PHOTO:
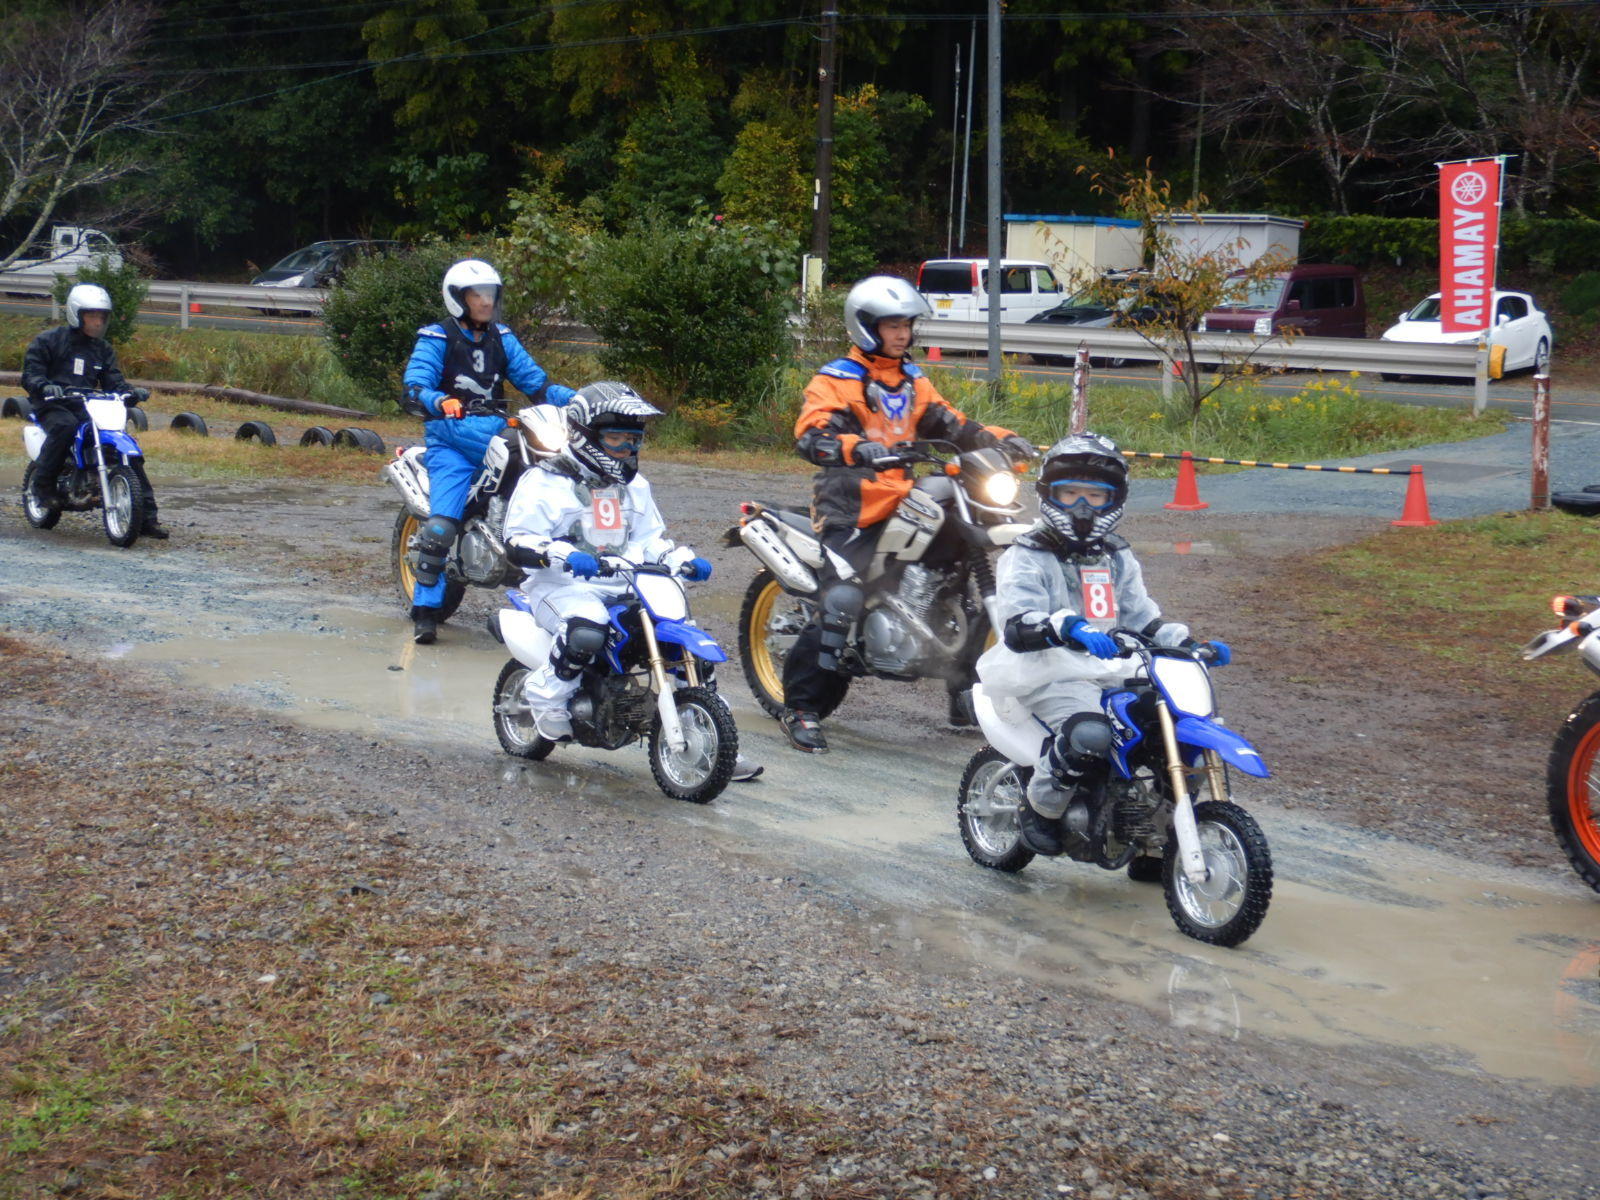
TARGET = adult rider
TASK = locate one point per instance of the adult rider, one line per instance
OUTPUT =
(856, 409)
(456, 381)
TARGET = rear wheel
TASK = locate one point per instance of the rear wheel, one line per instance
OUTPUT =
(699, 771)
(992, 790)
(1573, 790)
(406, 527)
(1230, 903)
(123, 513)
(513, 723)
(769, 622)
(40, 516)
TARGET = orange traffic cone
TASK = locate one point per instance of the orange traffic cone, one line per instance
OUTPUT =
(194, 306)
(1415, 515)
(934, 355)
(1187, 496)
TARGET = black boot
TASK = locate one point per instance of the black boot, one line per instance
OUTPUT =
(804, 730)
(424, 625)
(1040, 834)
(961, 714)
(151, 527)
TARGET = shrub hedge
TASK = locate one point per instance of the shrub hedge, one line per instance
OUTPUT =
(126, 289)
(1540, 243)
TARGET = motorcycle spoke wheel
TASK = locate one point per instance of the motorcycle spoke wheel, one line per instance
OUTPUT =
(1228, 905)
(992, 790)
(699, 771)
(406, 527)
(123, 514)
(40, 516)
(769, 622)
(1574, 790)
(513, 722)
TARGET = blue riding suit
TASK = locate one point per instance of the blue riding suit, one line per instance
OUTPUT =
(472, 365)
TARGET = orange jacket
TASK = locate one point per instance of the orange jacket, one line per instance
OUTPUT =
(837, 415)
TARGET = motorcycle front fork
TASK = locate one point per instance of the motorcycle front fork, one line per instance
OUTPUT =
(666, 705)
(1190, 856)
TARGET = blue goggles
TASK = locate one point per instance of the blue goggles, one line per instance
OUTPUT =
(1059, 497)
(625, 441)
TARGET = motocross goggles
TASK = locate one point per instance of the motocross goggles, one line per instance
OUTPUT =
(621, 441)
(1095, 493)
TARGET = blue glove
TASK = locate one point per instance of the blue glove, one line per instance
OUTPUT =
(583, 564)
(1091, 639)
(1221, 655)
(697, 569)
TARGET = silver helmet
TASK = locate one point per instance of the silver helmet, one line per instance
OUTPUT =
(86, 297)
(873, 299)
(597, 410)
(1086, 458)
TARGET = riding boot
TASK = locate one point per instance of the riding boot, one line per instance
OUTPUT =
(424, 625)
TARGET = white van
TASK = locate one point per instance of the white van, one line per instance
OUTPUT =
(958, 288)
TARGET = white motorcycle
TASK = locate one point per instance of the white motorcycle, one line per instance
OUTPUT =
(98, 471)
(478, 557)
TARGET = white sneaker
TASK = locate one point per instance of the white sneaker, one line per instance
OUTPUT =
(553, 725)
(744, 770)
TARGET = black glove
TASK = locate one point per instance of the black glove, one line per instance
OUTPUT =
(1019, 447)
(868, 453)
(52, 391)
(137, 395)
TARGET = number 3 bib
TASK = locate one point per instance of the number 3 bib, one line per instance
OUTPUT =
(1099, 596)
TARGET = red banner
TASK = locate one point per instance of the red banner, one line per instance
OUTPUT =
(1469, 234)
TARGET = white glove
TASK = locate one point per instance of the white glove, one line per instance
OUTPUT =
(676, 558)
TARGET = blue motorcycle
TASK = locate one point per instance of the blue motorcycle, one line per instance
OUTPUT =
(98, 473)
(654, 681)
(1211, 857)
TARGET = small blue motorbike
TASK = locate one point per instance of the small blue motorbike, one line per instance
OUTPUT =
(98, 473)
(654, 681)
(1210, 857)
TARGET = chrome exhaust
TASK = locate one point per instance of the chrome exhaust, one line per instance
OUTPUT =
(768, 545)
(410, 478)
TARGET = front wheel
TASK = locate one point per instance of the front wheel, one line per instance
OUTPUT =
(1231, 902)
(1573, 790)
(993, 789)
(406, 527)
(769, 622)
(123, 512)
(513, 723)
(40, 516)
(699, 771)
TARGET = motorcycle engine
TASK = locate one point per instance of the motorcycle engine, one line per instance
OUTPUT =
(480, 551)
(892, 645)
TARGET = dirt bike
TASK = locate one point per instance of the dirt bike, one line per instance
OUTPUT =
(97, 474)
(1210, 857)
(654, 681)
(1572, 780)
(929, 586)
(478, 557)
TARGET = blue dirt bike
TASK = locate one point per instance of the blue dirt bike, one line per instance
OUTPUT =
(98, 474)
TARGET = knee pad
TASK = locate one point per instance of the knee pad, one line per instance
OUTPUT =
(1082, 744)
(434, 540)
(841, 605)
(578, 647)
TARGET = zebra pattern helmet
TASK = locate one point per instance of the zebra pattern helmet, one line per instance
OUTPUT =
(1083, 458)
(594, 410)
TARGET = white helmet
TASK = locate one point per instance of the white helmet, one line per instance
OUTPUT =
(873, 299)
(473, 274)
(86, 297)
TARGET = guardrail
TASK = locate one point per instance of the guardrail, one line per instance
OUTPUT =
(184, 295)
(1301, 353)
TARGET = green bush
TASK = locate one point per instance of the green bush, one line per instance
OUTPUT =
(694, 311)
(126, 289)
(543, 249)
(1572, 243)
(1581, 297)
(372, 317)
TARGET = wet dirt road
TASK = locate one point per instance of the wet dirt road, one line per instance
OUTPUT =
(1374, 946)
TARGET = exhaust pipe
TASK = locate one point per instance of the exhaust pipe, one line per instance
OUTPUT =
(410, 478)
(768, 545)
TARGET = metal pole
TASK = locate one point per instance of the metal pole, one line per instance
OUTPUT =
(1199, 126)
(822, 187)
(955, 134)
(993, 188)
(183, 308)
(966, 151)
(1541, 442)
(1080, 389)
(1480, 379)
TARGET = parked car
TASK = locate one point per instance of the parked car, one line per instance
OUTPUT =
(71, 247)
(1310, 299)
(1519, 325)
(958, 288)
(319, 264)
(1089, 309)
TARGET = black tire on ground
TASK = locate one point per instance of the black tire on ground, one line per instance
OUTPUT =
(712, 750)
(369, 440)
(39, 518)
(405, 579)
(188, 422)
(766, 603)
(984, 832)
(1235, 899)
(139, 419)
(258, 431)
(317, 435)
(16, 406)
(1574, 802)
(122, 514)
(356, 438)
(513, 727)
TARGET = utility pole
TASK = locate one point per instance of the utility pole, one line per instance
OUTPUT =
(822, 186)
(995, 255)
(955, 134)
(966, 150)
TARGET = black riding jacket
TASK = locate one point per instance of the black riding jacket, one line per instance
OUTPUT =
(68, 357)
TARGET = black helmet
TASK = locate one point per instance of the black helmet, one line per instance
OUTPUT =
(596, 410)
(1083, 458)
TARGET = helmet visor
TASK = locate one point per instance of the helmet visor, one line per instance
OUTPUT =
(1093, 493)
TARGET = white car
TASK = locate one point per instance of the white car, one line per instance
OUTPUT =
(1519, 326)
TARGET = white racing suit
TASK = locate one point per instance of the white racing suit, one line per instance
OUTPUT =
(1056, 683)
(551, 505)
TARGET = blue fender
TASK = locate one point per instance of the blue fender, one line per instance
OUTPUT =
(1208, 735)
(121, 443)
(692, 638)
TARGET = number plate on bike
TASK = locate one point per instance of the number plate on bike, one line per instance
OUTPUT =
(1099, 595)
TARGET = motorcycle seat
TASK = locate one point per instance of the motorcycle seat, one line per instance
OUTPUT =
(795, 518)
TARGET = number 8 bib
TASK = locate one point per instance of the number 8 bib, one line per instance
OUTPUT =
(1099, 596)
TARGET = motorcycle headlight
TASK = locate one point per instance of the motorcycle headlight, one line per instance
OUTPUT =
(1000, 490)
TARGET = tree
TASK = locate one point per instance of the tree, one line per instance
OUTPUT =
(669, 159)
(74, 99)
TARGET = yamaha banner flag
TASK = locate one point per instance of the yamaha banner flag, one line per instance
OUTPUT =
(1469, 237)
